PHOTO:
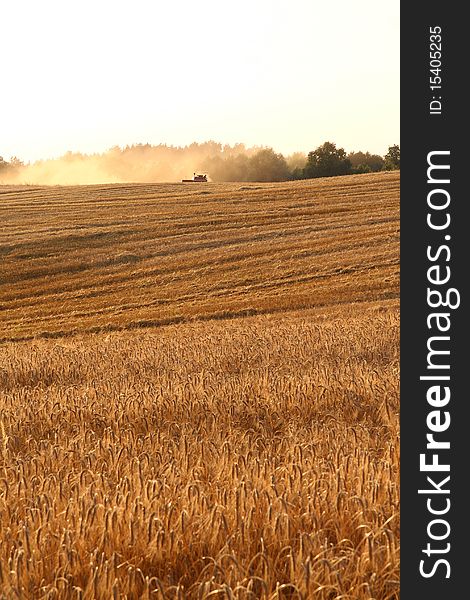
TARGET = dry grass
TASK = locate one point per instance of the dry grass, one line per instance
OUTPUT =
(251, 457)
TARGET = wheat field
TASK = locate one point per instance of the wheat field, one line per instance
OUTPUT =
(199, 390)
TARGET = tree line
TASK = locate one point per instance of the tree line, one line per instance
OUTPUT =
(147, 163)
(325, 161)
(10, 167)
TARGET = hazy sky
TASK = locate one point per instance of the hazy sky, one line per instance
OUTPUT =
(86, 75)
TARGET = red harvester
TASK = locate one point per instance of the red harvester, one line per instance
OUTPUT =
(195, 178)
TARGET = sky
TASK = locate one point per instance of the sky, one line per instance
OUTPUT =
(91, 74)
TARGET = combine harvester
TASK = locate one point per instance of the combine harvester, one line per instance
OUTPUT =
(195, 179)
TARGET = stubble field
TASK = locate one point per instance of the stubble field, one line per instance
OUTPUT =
(199, 390)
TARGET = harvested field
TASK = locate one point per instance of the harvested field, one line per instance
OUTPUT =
(123, 256)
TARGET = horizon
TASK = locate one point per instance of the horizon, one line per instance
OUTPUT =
(86, 77)
(122, 148)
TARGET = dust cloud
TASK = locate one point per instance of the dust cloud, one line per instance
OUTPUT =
(139, 163)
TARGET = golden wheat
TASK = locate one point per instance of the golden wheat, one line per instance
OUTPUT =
(253, 457)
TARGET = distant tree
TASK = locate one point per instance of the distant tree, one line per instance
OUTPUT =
(236, 168)
(234, 150)
(263, 165)
(327, 161)
(361, 160)
(10, 168)
(297, 173)
(360, 169)
(296, 160)
(266, 165)
(231, 168)
(15, 162)
(392, 158)
(3, 168)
